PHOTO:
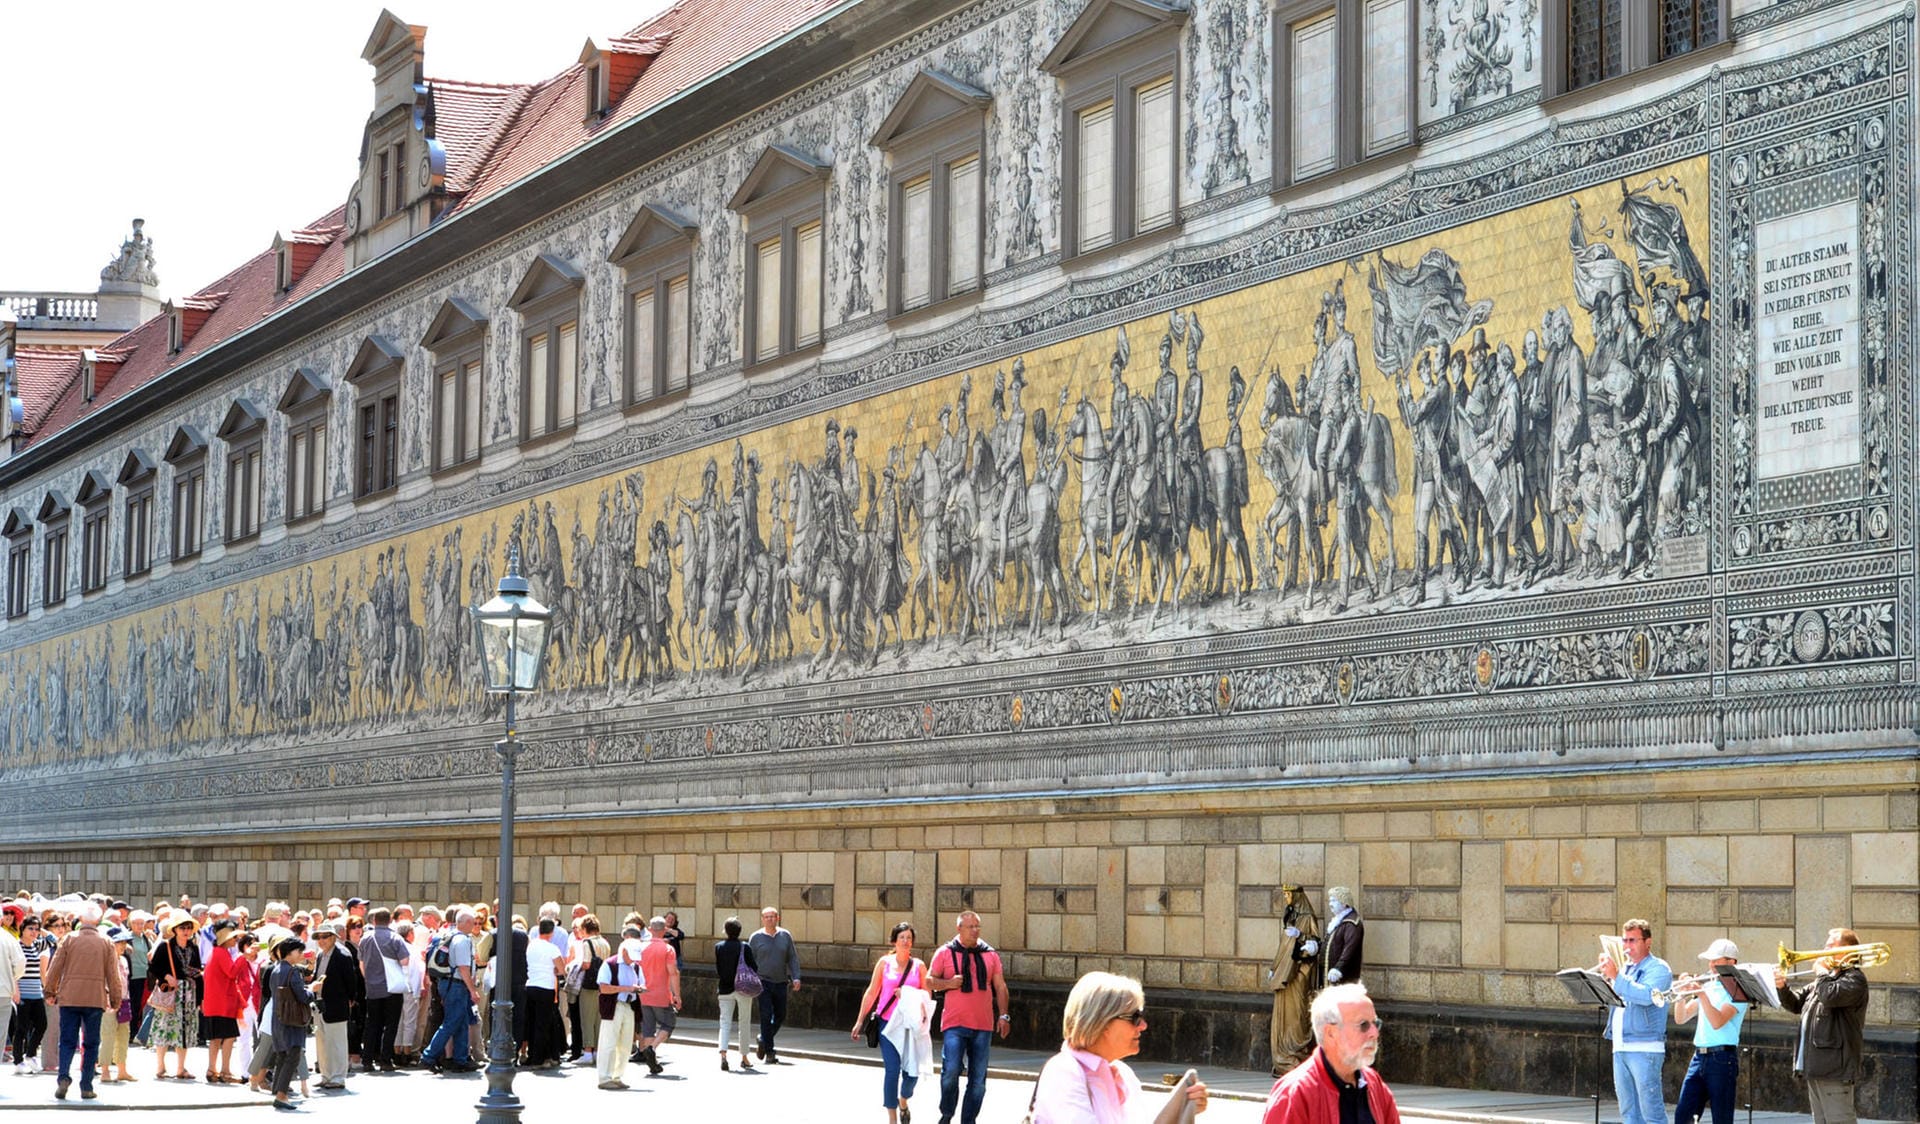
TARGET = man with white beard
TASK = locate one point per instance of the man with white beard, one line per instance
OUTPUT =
(1337, 1081)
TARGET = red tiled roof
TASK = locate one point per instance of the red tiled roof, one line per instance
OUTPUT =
(40, 373)
(469, 118)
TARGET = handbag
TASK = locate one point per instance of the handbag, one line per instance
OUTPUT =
(396, 975)
(746, 981)
(164, 999)
(124, 1013)
(873, 1032)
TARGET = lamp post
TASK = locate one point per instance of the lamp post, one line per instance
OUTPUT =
(512, 634)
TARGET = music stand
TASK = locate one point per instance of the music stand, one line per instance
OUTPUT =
(1744, 987)
(1589, 988)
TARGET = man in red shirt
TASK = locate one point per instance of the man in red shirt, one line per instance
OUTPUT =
(660, 998)
(1337, 1084)
(966, 971)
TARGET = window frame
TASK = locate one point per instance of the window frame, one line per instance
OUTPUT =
(307, 406)
(1639, 44)
(245, 434)
(938, 123)
(19, 536)
(378, 375)
(56, 524)
(137, 481)
(785, 193)
(457, 337)
(95, 501)
(1349, 54)
(549, 298)
(1091, 73)
(656, 250)
(187, 455)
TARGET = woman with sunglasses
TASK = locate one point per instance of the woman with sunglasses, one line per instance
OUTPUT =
(30, 1020)
(174, 969)
(1087, 1082)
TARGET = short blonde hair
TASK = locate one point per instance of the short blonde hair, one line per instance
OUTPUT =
(1098, 999)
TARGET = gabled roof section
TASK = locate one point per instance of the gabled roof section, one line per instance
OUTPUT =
(41, 373)
(653, 227)
(1105, 26)
(470, 119)
(18, 523)
(376, 355)
(94, 487)
(54, 505)
(932, 98)
(307, 385)
(388, 31)
(137, 466)
(779, 168)
(187, 441)
(303, 247)
(455, 320)
(622, 60)
(243, 417)
(545, 277)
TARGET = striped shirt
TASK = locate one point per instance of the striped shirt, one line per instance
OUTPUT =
(34, 952)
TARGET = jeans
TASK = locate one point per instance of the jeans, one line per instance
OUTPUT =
(895, 1086)
(453, 1032)
(1711, 1080)
(286, 1064)
(1636, 1084)
(75, 1021)
(733, 1008)
(773, 1013)
(958, 1040)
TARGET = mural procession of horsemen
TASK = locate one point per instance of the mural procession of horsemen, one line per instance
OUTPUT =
(1086, 514)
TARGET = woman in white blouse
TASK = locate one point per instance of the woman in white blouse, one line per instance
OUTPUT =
(1087, 1082)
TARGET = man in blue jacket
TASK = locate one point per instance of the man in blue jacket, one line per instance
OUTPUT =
(1638, 1030)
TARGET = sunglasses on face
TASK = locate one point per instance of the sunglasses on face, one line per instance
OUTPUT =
(1137, 1018)
(1365, 1025)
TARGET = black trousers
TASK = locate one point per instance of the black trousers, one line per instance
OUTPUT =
(137, 992)
(286, 1063)
(29, 1027)
(383, 1024)
(544, 1034)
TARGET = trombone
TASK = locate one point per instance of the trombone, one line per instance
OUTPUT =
(1845, 956)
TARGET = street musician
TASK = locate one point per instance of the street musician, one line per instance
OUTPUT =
(1714, 1073)
(1638, 1030)
(1833, 1014)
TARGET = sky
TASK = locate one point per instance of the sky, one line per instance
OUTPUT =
(222, 123)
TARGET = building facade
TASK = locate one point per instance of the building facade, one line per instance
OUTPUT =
(1095, 462)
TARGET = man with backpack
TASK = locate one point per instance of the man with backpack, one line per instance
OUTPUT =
(450, 967)
(966, 978)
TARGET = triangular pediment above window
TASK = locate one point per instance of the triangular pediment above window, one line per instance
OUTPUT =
(388, 32)
(377, 355)
(187, 441)
(243, 417)
(94, 487)
(934, 97)
(653, 228)
(778, 169)
(54, 506)
(456, 320)
(138, 466)
(547, 276)
(306, 386)
(1108, 25)
(18, 523)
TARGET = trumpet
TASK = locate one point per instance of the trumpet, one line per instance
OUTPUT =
(1683, 987)
(1845, 956)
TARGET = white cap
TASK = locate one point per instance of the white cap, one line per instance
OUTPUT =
(1722, 948)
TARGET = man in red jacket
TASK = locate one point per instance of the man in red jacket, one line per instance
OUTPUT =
(1337, 1084)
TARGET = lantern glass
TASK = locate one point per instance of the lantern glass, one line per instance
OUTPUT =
(512, 632)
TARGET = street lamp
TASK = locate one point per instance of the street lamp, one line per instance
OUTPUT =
(512, 634)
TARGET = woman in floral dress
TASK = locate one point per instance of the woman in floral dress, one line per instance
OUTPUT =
(172, 968)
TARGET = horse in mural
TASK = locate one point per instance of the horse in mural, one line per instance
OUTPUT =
(1037, 543)
(1096, 525)
(693, 578)
(1286, 459)
(817, 571)
(1155, 529)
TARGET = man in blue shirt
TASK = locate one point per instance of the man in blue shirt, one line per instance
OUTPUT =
(1714, 1073)
(1638, 1030)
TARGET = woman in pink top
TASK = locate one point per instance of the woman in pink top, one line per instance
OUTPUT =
(1086, 1082)
(895, 970)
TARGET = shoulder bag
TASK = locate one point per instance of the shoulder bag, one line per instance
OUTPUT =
(746, 981)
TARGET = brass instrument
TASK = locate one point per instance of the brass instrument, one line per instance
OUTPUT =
(1683, 987)
(1845, 956)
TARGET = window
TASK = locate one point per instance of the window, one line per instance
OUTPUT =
(96, 506)
(19, 533)
(137, 477)
(305, 405)
(548, 301)
(657, 255)
(1119, 69)
(244, 431)
(391, 181)
(935, 135)
(57, 518)
(1605, 39)
(376, 373)
(1344, 84)
(782, 202)
(457, 339)
(187, 453)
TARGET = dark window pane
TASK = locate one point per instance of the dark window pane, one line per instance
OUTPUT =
(1593, 41)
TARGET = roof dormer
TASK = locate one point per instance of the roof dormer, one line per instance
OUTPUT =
(402, 167)
(186, 317)
(612, 66)
(295, 252)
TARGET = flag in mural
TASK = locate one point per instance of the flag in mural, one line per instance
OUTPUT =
(1417, 307)
(1659, 234)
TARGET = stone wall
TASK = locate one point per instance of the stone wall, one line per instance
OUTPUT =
(1475, 891)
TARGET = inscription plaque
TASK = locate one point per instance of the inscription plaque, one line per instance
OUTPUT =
(1807, 341)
